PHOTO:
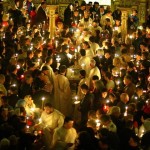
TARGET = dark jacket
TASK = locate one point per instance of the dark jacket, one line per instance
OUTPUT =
(41, 16)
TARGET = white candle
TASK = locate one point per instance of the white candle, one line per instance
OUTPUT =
(125, 113)
(43, 99)
(76, 100)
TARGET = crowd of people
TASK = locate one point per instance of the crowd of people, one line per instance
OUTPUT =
(83, 89)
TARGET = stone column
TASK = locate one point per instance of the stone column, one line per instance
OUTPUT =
(51, 14)
(142, 11)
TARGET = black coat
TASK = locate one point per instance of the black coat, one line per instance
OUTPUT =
(41, 16)
(85, 106)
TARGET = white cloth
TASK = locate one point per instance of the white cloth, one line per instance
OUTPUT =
(103, 20)
(63, 101)
(87, 24)
(110, 85)
(53, 120)
(50, 122)
(65, 136)
(84, 62)
(51, 74)
(94, 71)
(94, 47)
(89, 53)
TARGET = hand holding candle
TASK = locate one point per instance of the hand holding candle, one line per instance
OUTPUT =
(76, 100)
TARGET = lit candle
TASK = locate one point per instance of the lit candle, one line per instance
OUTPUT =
(43, 99)
(40, 120)
(32, 109)
(80, 16)
(82, 65)
(75, 22)
(126, 109)
(75, 53)
(18, 66)
(71, 7)
(115, 28)
(56, 44)
(76, 100)
(78, 48)
(97, 123)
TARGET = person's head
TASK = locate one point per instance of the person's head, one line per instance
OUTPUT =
(76, 13)
(107, 76)
(43, 5)
(92, 39)
(38, 53)
(68, 122)
(86, 45)
(28, 79)
(2, 78)
(105, 119)
(83, 52)
(65, 48)
(104, 92)
(127, 80)
(143, 46)
(107, 54)
(4, 100)
(124, 97)
(144, 55)
(30, 54)
(91, 114)
(86, 14)
(96, 4)
(82, 73)
(62, 69)
(27, 41)
(117, 62)
(45, 70)
(139, 90)
(130, 66)
(117, 22)
(92, 63)
(48, 108)
(13, 69)
(28, 99)
(131, 108)
(94, 24)
(4, 144)
(134, 12)
(49, 60)
(109, 13)
(91, 123)
(115, 111)
(83, 6)
(84, 88)
(95, 78)
(107, 21)
(112, 97)
(101, 9)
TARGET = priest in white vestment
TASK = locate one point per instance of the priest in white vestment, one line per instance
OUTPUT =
(65, 136)
(94, 71)
(50, 120)
(84, 61)
(63, 100)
